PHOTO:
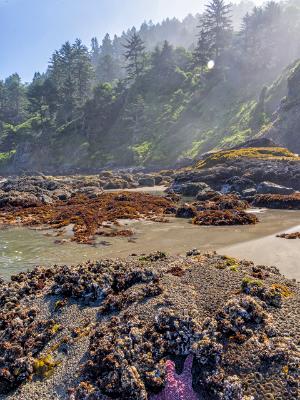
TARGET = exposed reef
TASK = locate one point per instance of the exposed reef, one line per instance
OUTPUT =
(246, 171)
(90, 216)
(143, 328)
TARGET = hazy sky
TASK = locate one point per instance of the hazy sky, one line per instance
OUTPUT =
(30, 30)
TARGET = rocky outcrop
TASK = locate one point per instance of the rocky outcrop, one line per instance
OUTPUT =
(272, 188)
(287, 202)
(271, 170)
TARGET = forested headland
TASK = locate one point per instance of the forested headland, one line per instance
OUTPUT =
(156, 95)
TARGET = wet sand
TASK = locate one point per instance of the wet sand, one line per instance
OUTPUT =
(21, 248)
(158, 190)
(270, 250)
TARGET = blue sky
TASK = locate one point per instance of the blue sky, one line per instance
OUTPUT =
(30, 30)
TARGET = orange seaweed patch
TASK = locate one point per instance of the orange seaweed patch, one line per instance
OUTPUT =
(89, 215)
(224, 217)
(294, 235)
(278, 201)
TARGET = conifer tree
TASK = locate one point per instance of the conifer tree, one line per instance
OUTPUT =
(215, 31)
(135, 56)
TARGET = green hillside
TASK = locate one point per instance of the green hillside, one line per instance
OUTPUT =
(162, 105)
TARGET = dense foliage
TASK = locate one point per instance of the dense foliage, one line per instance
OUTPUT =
(154, 95)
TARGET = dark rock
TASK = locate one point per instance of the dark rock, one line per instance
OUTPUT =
(158, 179)
(281, 172)
(238, 184)
(260, 142)
(62, 195)
(91, 191)
(147, 181)
(18, 199)
(249, 193)
(193, 188)
(114, 184)
(207, 194)
(273, 188)
(186, 211)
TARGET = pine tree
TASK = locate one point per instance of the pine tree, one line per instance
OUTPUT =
(107, 46)
(203, 51)
(107, 66)
(82, 71)
(135, 56)
(14, 101)
(106, 69)
(135, 117)
(215, 31)
(70, 71)
(95, 50)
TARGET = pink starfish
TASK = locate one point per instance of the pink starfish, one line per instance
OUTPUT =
(178, 387)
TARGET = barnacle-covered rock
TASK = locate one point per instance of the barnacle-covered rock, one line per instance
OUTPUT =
(179, 332)
(271, 295)
(158, 255)
(241, 317)
(232, 389)
(93, 282)
(117, 302)
(21, 338)
(86, 391)
(125, 359)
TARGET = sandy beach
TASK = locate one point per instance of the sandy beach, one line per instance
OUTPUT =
(271, 250)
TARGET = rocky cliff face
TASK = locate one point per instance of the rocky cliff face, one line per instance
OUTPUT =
(286, 127)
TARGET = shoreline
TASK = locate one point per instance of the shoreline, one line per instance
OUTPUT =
(270, 250)
(174, 238)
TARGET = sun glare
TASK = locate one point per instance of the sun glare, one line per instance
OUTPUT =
(210, 64)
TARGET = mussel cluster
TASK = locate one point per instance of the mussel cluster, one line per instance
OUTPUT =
(94, 282)
(271, 295)
(22, 337)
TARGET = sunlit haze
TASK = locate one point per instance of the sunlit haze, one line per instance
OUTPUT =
(30, 30)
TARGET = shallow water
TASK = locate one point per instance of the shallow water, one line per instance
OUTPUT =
(22, 248)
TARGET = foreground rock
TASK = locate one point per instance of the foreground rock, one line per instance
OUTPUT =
(113, 330)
